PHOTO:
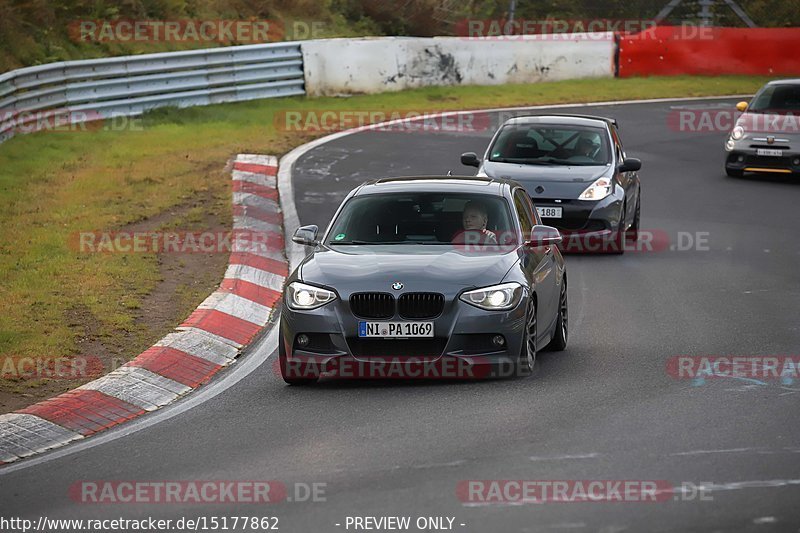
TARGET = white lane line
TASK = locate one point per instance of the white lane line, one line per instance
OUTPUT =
(705, 452)
(565, 457)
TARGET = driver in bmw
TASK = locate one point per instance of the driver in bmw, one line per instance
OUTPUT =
(474, 219)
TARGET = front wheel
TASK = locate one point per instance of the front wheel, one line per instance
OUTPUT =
(632, 235)
(559, 342)
(527, 355)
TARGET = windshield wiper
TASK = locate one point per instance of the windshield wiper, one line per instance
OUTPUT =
(393, 243)
(362, 243)
(519, 161)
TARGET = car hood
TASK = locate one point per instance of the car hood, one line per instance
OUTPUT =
(442, 269)
(783, 125)
(558, 181)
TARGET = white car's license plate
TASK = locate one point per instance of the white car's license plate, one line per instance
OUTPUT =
(395, 330)
(549, 212)
(768, 152)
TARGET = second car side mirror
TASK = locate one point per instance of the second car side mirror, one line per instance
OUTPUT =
(544, 236)
(306, 235)
(631, 165)
(742, 106)
(470, 159)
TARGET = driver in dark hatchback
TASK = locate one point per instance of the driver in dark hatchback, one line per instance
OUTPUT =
(386, 286)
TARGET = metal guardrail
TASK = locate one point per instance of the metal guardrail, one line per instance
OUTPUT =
(70, 92)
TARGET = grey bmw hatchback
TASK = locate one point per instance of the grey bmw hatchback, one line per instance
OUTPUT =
(425, 277)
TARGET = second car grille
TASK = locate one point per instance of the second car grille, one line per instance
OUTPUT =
(418, 305)
(372, 305)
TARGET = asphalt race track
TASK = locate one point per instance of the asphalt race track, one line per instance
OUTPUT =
(605, 409)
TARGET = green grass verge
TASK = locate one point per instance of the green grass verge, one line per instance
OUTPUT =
(53, 185)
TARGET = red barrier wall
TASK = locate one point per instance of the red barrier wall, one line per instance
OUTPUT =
(668, 50)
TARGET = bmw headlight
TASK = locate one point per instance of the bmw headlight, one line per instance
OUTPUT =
(737, 133)
(597, 190)
(300, 296)
(496, 298)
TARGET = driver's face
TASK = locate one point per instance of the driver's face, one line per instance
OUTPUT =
(474, 219)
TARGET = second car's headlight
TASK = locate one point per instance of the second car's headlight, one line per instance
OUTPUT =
(495, 298)
(300, 296)
(737, 133)
(597, 190)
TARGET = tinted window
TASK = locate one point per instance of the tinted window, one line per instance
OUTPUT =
(550, 144)
(415, 218)
(778, 98)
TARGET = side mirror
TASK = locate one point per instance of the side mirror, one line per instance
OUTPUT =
(306, 235)
(631, 165)
(470, 159)
(742, 106)
(544, 236)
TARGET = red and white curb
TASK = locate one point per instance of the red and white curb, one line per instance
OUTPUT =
(208, 340)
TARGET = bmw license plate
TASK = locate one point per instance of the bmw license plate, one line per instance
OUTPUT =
(395, 330)
(768, 152)
(549, 212)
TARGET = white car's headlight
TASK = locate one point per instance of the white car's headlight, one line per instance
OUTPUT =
(300, 296)
(496, 298)
(597, 190)
(737, 133)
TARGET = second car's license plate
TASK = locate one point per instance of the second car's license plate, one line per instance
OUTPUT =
(549, 212)
(768, 152)
(395, 329)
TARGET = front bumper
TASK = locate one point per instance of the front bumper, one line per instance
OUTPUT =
(461, 349)
(743, 156)
(582, 216)
(586, 226)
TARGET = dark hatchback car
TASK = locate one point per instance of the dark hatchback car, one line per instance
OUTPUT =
(425, 271)
(576, 171)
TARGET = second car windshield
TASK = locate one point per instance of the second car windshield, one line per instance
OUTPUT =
(777, 99)
(541, 144)
(419, 218)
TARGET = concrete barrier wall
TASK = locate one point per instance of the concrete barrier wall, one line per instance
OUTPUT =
(371, 65)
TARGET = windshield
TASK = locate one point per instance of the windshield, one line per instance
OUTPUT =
(777, 99)
(420, 218)
(542, 144)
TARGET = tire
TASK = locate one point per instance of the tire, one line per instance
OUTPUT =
(734, 173)
(559, 342)
(632, 235)
(526, 361)
(305, 379)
